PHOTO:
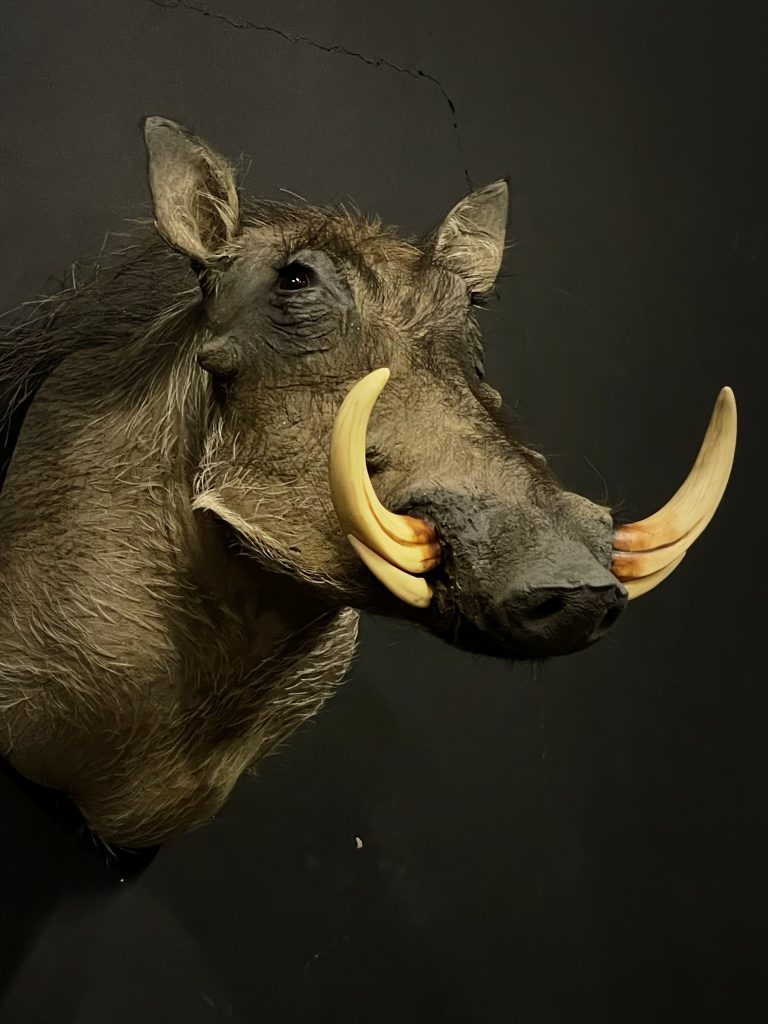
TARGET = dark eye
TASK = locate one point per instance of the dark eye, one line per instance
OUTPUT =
(294, 277)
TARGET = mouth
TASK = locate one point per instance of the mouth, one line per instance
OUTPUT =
(399, 550)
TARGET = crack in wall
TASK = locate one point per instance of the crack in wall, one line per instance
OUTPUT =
(375, 62)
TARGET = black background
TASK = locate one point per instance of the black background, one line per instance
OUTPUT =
(580, 843)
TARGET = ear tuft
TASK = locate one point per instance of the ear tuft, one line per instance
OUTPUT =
(470, 240)
(193, 191)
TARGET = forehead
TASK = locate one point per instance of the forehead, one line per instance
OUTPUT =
(377, 254)
(392, 277)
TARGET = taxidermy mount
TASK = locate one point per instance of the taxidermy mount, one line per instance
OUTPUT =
(255, 422)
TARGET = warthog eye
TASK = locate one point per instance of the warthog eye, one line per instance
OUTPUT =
(294, 277)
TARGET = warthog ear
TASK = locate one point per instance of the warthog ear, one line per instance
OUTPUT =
(471, 238)
(193, 190)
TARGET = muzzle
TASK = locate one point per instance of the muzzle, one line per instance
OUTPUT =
(400, 549)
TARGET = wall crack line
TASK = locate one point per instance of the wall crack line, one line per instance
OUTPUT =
(374, 62)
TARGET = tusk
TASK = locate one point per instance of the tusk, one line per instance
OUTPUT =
(707, 479)
(652, 548)
(412, 589)
(406, 542)
(640, 586)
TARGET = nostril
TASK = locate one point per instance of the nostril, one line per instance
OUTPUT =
(544, 617)
(547, 608)
(609, 618)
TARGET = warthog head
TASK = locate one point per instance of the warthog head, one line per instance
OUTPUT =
(415, 498)
(213, 474)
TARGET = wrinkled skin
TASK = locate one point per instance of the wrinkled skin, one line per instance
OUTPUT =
(176, 594)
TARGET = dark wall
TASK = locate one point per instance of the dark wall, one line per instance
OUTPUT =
(583, 843)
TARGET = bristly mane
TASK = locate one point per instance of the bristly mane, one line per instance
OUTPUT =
(112, 302)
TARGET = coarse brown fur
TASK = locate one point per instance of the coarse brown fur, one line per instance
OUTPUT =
(137, 656)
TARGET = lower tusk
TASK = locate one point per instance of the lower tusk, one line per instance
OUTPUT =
(405, 541)
(414, 590)
(636, 564)
(638, 587)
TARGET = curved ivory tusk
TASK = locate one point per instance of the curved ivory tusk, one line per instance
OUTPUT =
(412, 589)
(406, 542)
(652, 548)
(640, 586)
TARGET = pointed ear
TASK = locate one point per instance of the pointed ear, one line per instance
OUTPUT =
(471, 238)
(193, 191)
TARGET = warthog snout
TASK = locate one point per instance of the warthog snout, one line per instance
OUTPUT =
(469, 526)
(523, 579)
(560, 614)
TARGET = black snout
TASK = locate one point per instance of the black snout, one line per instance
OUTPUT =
(523, 579)
(560, 617)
